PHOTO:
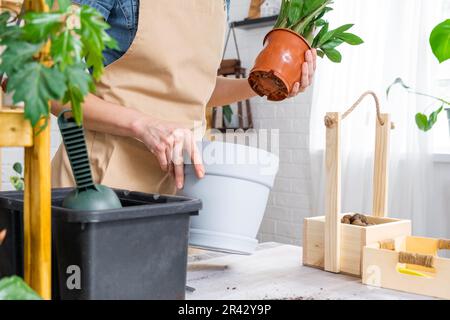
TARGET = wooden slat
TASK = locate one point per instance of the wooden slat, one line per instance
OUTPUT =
(37, 215)
(381, 167)
(333, 195)
(15, 131)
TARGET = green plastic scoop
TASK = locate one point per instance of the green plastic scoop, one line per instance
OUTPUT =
(87, 195)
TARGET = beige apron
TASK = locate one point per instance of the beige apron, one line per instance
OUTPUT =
(169, 72)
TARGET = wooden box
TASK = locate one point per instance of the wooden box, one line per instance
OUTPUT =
(330, 244)
(410, 264)
(353, 240)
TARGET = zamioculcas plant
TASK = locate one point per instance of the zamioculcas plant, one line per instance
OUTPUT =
(300, 27)
(76, 36)
(440, 45)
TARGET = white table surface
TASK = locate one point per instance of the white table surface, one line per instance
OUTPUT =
(275, 271)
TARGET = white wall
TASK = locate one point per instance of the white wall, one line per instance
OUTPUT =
(11, 155)
(289, 201)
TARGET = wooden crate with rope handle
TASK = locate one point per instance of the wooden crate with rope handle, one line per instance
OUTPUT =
(330, 244)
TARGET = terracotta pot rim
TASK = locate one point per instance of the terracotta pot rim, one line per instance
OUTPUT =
(288, 30)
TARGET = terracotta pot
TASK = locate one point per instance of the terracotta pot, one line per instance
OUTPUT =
(278, 66)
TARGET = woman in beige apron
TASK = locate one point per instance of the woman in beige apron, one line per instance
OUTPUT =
(149, 101)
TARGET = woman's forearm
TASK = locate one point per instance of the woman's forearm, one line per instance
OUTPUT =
(228, 91)
(100, 115)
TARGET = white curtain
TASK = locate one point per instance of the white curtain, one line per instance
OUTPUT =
(396, 44)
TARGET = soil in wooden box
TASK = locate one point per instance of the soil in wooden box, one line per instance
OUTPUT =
(353, 240)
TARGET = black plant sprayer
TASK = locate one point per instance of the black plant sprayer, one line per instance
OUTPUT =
(87, 195)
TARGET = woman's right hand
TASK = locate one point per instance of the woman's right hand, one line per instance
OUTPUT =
(168, 141)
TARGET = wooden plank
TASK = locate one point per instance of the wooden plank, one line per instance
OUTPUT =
(381, 167)
(333, 195)
(15, 130)
(38, 214)
(37, 208)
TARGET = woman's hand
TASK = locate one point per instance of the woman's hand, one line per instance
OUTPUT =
(168, 141)
(308, 70)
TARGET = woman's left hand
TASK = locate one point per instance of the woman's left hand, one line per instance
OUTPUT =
(308, 70)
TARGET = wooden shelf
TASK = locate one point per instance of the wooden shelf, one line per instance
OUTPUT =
(254, 23)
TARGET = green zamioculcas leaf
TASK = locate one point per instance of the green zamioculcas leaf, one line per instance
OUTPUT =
(332, 44)
(295, 11)
(320, 35)
(350, 38)
(35, 85)
(14, 288)
(333, 55)
(440, 41)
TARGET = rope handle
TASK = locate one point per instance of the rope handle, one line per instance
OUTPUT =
(417, 259)
(330, 122)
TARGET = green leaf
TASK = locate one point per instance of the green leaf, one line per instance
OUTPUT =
(320, 23)
(79, 84)
(17, 183)
(295, 11)
(440, 41)
(35, 85)
(312, 5)
(14, 288)
(320, 35)
(17, 167)
(66, 49)
(333, 55)
(227, 113)
(422, 121)
(39, 26)
(320, 53)
(94, 38)
(332, 44)
(17, 54)
(350, 38)
(425, 123)
(343, 28)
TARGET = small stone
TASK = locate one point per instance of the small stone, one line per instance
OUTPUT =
(356, 216)
(358, 222)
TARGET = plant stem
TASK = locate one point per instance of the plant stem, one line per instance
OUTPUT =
(301, 25)
(428, 96)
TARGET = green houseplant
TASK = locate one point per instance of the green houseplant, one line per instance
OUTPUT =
(74, 38)
(440, 45)
(301, 25)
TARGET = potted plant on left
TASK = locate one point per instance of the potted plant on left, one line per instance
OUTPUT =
(47, 57)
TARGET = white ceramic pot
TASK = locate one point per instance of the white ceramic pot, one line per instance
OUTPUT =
(234, 193)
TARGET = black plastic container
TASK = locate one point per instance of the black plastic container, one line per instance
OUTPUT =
(137, 252)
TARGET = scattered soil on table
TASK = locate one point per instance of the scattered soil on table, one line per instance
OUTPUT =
(357, 220)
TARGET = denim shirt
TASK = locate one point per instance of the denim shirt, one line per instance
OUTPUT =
(123, 16)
